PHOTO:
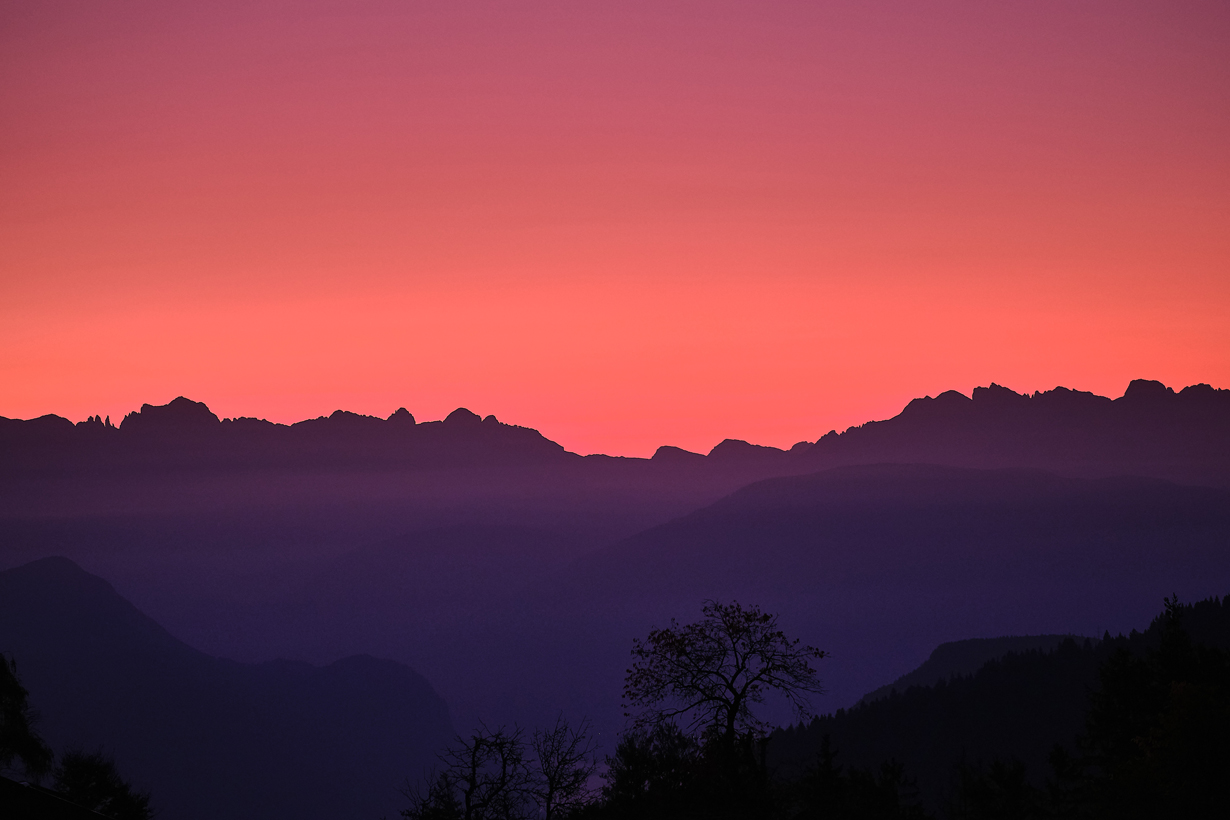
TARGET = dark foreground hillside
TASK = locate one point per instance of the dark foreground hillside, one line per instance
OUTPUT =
(211, 738)
(1146, 689)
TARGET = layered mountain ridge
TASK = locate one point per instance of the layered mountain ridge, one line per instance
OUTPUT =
(1151, 430)
(188, 433)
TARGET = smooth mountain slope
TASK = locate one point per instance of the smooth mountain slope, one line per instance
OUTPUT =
(213, 738)
(904, 521)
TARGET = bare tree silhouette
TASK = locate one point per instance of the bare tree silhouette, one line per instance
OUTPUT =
(483, 777)
(710, 673)
(563, 765)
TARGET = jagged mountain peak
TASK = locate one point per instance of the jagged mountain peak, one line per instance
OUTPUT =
(179, 414)
(1150, 430)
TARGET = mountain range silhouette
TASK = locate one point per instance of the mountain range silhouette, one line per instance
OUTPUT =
(1150, 430)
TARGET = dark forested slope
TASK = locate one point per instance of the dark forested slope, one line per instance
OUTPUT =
(964, 658)
(1015, 708)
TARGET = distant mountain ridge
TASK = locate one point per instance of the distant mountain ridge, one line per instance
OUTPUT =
(187, 433)
(1151, 430)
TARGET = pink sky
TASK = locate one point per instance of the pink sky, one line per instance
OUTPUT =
(625, 224)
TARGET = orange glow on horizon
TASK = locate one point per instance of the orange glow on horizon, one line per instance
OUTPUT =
(624, 225)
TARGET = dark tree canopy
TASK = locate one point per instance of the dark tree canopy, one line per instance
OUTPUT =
(1158, 730)
(92, 781)
(654, 774)
(710, 673)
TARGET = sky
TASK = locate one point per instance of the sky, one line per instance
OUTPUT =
(624, 224)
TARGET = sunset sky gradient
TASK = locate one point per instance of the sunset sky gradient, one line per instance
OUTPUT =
(624, 223)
